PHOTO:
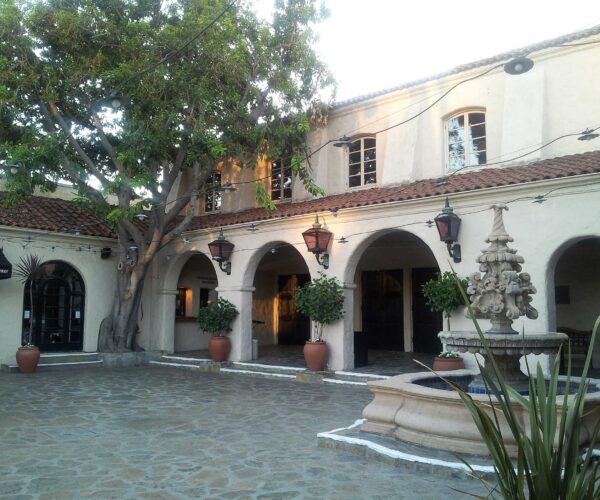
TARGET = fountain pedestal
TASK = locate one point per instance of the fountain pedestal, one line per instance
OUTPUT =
(507, 350)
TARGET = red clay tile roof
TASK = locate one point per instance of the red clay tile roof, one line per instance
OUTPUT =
(564, 166)
(505, 56)
(54, 214)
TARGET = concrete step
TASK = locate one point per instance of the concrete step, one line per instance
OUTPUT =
(204, 365)
(62, 361)
(357, 377)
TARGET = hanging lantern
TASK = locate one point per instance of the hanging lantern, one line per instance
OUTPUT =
(448, 226)
(317, 241)
(220, 250)
(5, 267)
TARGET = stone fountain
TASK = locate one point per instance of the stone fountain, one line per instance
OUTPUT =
(501, 295)
(420, 408)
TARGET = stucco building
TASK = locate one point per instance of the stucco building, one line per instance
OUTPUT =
(475, 134)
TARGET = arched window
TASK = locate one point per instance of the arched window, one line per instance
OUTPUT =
(362, 162)
(58, 308)
(465, 138)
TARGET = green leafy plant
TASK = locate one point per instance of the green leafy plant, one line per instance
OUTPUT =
(449, 355)
(30, 270)
(322, 300)
(443, 294)
(216, 318)
(550, 463)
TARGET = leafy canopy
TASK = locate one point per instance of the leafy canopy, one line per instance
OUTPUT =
(443, 293)
(242, 89)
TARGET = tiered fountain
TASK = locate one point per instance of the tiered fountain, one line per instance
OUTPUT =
(421, 408)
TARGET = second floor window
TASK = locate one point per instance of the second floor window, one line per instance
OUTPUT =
(466, 140)
(212, 200)
(281, 181)
(362, 162)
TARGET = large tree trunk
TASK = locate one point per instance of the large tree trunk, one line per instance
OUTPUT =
(118, 331)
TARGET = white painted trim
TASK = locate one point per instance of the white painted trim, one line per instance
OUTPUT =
(58, 355)
(204, 360)
(266, 374)
(382, 450)
(71, 363)
(366, 375)
(344, 382)
(259, 365)
(177, 365)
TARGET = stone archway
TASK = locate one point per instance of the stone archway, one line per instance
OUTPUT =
(195, 289)
(388, 270)
(274, 273)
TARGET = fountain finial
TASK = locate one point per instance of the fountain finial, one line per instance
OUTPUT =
(502, 294)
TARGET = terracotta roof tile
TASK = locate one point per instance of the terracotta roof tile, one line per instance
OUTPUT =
(53, 214)
(564, 166)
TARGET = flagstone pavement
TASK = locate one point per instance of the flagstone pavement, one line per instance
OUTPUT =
(163, 433)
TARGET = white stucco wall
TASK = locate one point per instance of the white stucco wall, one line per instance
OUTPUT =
(98, 276)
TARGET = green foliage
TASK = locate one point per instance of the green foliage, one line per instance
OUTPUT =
(449, 355)
(322, 300)
(443, 294)
(262, 197)
(30, 270)
(244, 86)
(550, 464)
(216, 318)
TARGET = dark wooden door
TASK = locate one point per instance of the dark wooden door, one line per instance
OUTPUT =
(294, 327)
(383, 309)
(426, 324)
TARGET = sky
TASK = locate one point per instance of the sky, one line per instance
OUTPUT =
(371, 45)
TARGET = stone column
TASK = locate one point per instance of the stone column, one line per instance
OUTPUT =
(241, 333)
(340, 335)
(164, 338)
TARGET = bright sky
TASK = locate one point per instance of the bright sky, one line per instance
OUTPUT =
(370, 45)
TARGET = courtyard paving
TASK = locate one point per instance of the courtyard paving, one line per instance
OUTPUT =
(162, 433)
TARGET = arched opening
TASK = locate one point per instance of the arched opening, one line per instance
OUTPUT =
(577, 295)
(54, 305)
(390, 313)
(280, 330)
(195, 289)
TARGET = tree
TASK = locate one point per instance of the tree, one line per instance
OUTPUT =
(204, 82)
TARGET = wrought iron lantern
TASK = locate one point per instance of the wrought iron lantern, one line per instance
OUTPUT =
(220, 250)
(448, 226)
(5, 267)
(317, 241)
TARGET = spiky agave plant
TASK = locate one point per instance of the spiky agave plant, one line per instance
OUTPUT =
(30, 270)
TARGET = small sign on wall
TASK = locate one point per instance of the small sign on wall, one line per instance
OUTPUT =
(77, 314)
(26, 314)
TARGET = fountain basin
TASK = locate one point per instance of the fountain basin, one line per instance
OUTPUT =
(405, 408)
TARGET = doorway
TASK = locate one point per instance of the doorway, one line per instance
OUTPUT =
(293, 326)
(426, 324)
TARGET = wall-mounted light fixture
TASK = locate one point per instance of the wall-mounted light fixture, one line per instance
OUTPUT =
(342, 141)
(317, 241)
(448, 225)
(518, 66)
(220, 250)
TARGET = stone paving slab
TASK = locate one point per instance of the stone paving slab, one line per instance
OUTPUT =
(161, 433)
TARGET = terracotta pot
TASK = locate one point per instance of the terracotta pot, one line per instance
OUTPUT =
(28, 359)
(447, 364)
(219, 347)
(316, 355)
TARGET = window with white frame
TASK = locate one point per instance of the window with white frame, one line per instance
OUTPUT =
(362, 162)
(466, 140)
(281, 181)
(212, 199)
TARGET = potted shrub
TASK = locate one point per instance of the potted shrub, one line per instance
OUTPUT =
(448, 361)
(322, 300)
(29, 270)
(443, 294)
(216, 319)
